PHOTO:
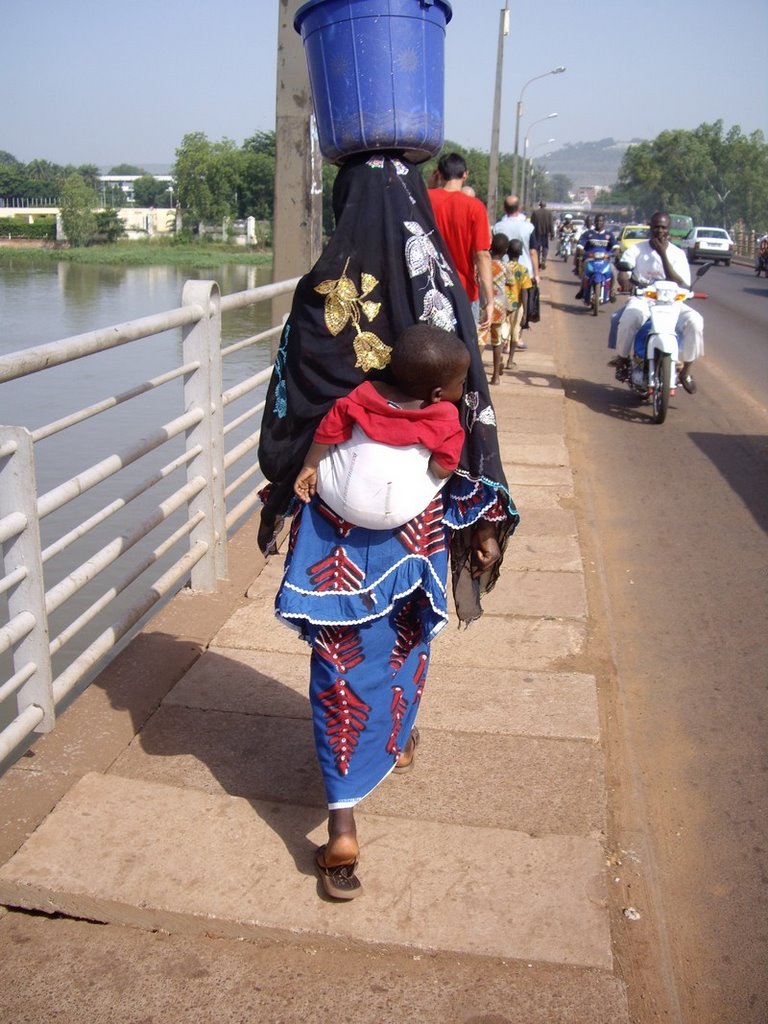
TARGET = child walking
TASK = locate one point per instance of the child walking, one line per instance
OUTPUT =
(518, 282)
(494, 331)
(383, 451)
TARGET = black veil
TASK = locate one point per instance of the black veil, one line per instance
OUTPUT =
(385, 267)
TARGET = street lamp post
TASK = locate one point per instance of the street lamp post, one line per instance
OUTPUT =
(528, 189)
(722, 199)
(493, 164)
(555, 71)
(524, 196)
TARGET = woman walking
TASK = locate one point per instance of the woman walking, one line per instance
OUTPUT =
(370, 602)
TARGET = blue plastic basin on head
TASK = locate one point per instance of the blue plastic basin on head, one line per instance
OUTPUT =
(377, 71)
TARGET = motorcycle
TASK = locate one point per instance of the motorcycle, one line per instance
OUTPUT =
(565, 249)
(762, 263)
(597, 279)
(652, 374)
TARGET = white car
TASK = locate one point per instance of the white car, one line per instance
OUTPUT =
(708, 244)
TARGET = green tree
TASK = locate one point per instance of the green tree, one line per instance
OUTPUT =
(90, 175)
(714, 176)
(126, 169)
(329, 177)
(148, 191)
(256, 177)
(77, 204)
(207, 176)
(11, 179)
(561, 186)
(109, 226)
(43, 179)
(8, 159)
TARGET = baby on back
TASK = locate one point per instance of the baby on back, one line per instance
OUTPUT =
(381, 453)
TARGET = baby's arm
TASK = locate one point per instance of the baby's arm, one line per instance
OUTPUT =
(306, 482)
(439, 471)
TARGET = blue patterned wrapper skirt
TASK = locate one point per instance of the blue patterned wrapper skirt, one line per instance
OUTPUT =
(369, 602)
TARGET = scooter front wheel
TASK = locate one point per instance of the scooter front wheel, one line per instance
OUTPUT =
(594, 299)
(662, 385)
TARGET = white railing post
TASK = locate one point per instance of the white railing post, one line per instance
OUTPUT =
(203, 390)
(21, 554)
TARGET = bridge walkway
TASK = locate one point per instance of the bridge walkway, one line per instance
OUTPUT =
(178, 804)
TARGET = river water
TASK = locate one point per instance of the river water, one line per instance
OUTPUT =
(44, 301)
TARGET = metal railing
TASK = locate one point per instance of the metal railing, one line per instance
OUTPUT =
(189, 523)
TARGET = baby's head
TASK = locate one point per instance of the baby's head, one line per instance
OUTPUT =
(429, 363)
(499, 244)
(515, 250)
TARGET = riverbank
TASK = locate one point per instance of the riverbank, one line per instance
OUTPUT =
(143, 253)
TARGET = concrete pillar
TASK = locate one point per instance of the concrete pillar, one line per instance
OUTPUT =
(250, 231)
(297, 229)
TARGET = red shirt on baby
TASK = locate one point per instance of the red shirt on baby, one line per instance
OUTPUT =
(436, 426)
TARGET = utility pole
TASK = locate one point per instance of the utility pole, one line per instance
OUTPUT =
(298, 212)
(493, 166)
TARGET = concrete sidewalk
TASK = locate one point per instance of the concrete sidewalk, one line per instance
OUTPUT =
(181, 794)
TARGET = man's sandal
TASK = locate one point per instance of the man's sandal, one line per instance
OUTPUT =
(339, 882)
(402, 768)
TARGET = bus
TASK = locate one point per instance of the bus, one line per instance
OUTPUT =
(679, 226)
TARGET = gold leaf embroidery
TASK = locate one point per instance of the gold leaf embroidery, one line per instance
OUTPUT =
(346, 289)
(336, 314)
(371, 309)
(343, 304)
(367, 282)
(371, 352)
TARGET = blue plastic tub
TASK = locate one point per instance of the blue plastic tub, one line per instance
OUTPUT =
(377, 70)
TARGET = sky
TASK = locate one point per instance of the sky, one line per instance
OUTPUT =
(92, 82)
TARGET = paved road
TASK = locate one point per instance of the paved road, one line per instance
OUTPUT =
(674, 525)
(736, 316)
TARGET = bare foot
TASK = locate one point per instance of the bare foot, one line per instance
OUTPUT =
(494, 380)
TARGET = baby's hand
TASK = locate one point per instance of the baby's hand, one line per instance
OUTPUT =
(305, 484)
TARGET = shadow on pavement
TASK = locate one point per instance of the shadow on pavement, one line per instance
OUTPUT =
(735, 457)
(610, 399)
(235, 729)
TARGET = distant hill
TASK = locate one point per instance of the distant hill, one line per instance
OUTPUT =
(588, 163)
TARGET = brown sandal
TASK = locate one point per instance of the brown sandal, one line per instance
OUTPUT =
(340, 882)
(402, 768)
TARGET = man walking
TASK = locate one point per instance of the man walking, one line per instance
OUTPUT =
(463, 223)
(545, 229)
(514, 225)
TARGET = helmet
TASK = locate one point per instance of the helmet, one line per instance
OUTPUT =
(568, 216)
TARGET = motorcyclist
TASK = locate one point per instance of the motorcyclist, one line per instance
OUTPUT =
(577, 256)
(596, 239)
(761, 255)
(565, 232)
(659, 260)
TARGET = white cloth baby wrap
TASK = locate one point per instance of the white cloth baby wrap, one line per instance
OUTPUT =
(376, 485)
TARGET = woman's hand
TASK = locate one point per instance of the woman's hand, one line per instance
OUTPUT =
(485, 548)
